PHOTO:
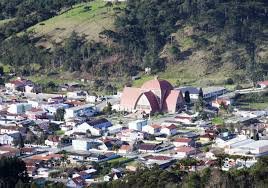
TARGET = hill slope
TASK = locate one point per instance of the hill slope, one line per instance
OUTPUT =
(87, 19)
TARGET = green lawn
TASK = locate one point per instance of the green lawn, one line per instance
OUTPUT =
(217, 121)
(119, 160)
(86, 18)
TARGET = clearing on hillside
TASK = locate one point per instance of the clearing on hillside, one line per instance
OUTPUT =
(87, 19)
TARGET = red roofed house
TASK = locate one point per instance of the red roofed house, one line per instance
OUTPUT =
(154, 96)
(169, 130)
(18, 84)
(183, 142)
(185, 151)
(52, 141)
(152, 129)
(263, 84)
(218, 102)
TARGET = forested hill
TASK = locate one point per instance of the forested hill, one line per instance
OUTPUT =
(181, 40)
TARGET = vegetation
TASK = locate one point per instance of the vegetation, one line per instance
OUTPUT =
(11, 171)
(255, 177)
(180, 40)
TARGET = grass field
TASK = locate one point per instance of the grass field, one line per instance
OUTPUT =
(119, 160)
(2, 22)
(88, 19)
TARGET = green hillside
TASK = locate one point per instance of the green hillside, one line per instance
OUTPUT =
(193, 42)
(87, 19)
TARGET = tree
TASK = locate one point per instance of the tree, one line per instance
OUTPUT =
(187, 97)
(12, 170)
(59, 115)
(19, 142)
(108, 109)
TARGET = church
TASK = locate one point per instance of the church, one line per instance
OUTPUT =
(154, 96)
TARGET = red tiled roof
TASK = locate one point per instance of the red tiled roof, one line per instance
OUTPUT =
(156, 126)
(184, 149)
(160, 158)
(182, 140)
(263, 83)
(125, 147)
(172, 126)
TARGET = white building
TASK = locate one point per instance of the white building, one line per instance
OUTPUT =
(8, 139)
(169, 130)
(152, 129)
(77, 111)
(138, 124)
(250, 148)
(19, 108)
(115, 129)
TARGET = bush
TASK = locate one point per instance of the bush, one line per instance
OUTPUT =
(229, 81)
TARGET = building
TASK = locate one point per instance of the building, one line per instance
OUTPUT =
(138, 124)
(193, 91)
(9, 138)
(154, 96)
(211, 92)
(152, 129)
(52, 141)
(262, 84)
(78, 111)
(183, 142)
(221, 101)
(169, 130)
(18, 84)
(249, 148)
(19, 108)
(185, 151)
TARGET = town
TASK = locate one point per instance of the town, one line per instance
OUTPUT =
(80, 140)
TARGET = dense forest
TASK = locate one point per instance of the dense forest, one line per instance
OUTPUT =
(152, 33)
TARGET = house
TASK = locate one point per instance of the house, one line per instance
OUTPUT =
(19, 108)
(85, 144)
(169, 130)
(124, 149)
(78, 111)
(138, 124)
(161, 160)
(6, 151)
(217, 103)
(213, 91)
(152, 129)
(115, 129)
(262, 84)
(9, 138)
(100, 123)
(193, 92)
(52, 141)
(28, 150)
(128, 135)
(36, 113)
(206, 138)
(185, 118)
(148, 148)
(77, 182)
(18, 84)
(185, 151)
(177, 142)
(113, 176)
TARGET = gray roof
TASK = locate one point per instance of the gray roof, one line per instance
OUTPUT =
(192, 90)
